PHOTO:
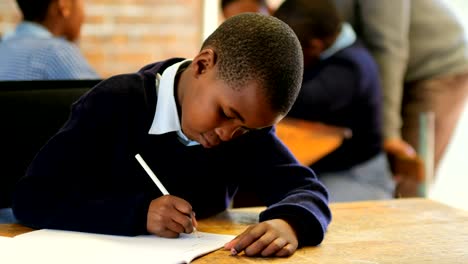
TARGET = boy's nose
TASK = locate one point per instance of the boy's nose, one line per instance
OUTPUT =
(228, 132)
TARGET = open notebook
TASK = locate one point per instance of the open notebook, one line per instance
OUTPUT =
(56, 246)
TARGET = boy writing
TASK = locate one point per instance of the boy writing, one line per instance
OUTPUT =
(204, 126)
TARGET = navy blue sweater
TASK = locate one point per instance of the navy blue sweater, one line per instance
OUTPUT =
(344, 90)
(86, 177)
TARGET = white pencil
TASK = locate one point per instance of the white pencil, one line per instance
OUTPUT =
(151, 174)
(155, 179)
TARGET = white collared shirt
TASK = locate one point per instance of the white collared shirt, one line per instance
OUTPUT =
(166, 118)
(345, 39)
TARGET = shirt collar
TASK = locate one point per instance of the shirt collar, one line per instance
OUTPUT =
(345, 39)
(166, 118)
(28, 29)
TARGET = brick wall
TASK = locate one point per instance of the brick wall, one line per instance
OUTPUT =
(120, 36)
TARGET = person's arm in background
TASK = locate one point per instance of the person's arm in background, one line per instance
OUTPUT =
(384, 27)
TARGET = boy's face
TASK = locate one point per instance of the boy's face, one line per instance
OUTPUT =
(213, 112)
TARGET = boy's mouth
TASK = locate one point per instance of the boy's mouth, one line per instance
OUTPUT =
(207, 143)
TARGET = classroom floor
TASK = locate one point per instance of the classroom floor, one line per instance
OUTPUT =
(451, 181)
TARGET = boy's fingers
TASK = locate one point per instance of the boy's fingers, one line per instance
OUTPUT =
(286, 251)
(245, 239)
(167, 233)
(170, 229)
(229, 245)
(185, 216)
(185, 222)
(194, 220)
(183, 206)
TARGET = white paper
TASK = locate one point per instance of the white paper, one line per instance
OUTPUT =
(56, 246)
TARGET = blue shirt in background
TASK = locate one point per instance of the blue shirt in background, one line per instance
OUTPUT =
(31, 52)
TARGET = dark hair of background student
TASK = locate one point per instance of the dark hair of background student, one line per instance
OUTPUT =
(34, 10)
(320, 20)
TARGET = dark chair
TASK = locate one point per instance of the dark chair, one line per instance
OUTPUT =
(30, 113)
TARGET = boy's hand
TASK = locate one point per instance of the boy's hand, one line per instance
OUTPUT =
(270, 238)
(168, 216)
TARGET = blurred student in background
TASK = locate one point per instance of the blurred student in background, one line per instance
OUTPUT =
(234, 7)
(341, 87)
(422, 53)
(41, 47)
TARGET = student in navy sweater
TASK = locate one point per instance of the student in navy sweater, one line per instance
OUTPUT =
(205, 127)
(340, 87)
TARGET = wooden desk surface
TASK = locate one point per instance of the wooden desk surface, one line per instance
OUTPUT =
(310, 141)
(396, 231)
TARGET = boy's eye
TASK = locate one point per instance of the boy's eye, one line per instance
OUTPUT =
(240, 131)
(224, 115)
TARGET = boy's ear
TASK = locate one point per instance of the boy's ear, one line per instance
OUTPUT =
(204, 61)
(64, 7)
(315, 46)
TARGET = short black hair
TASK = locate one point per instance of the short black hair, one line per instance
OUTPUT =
(34, 10)
(310, 19)
(260, 48)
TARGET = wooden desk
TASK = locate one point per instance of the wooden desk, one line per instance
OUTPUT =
(396, 231)
(412, 231)
(310, 141)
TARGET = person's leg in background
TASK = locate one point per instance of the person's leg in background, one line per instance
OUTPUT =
(445, 97)
(371, 180)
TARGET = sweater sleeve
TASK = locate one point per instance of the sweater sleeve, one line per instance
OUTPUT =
(68, 184)
(305, 206)
(290, 191)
